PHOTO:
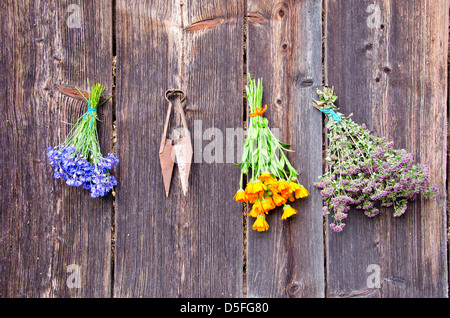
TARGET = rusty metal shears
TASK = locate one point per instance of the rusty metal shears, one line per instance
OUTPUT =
(182, 151)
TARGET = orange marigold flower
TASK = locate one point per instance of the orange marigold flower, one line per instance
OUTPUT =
(255, 187)
(273, 187)
(283, 185)
(299, 190)
(268, 204)
(240, 196)
(288, 211)
(285, 188)
(260, 224)
(267, 179)
(258, 187)
(249, 188)
(302, 193)
(294, 186)
(258, 205)
(286, 194)
(255, 211)
(251, 197)
(278, 199)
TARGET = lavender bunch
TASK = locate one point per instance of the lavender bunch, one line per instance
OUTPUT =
(78, 160)
(365, 171)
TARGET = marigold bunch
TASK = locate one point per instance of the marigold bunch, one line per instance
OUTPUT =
(365, 171)
(273, 181)
(78, 160)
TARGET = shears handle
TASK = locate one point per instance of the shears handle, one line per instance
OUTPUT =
(169, 110)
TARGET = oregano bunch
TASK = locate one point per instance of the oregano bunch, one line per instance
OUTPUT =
(364, 170)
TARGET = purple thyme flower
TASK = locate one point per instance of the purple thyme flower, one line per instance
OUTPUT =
(337, 228)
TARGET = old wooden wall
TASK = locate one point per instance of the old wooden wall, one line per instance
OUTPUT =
(387, 63)
(386, 59)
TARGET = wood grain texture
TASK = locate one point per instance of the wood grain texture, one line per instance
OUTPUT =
(178, 246)
(46, 225)
(391, 73)
(284, 48)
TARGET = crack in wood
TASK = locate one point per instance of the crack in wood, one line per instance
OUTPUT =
(204, 24)
(357, 293)
(256, 17)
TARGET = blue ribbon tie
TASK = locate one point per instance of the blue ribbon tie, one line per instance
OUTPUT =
(90, 111)
(331, 113)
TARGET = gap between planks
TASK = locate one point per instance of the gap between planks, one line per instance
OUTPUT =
(244, 121)
(113, 140)
(448, 157)
(324, 138)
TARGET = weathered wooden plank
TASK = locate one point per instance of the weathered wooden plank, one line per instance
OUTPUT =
(387, 62)
(46, 225)
(284, 48)
(178, 246)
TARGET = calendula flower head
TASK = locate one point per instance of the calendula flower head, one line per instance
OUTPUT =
(278, 199)
(240, 196)
(268, 204)
(284, 187)
(251, 197)
(267, 179)
(266, 165)
(302, 193)
(255, 211)
(299, 190)
(255, 187)
(260, 224)
(288, 211)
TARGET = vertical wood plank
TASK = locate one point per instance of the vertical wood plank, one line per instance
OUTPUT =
(387, 62)
(178, 246)
(46, 225)
(284, 48)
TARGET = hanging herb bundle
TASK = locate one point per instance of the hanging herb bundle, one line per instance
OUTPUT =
(365, 171)
(78, 160)
(272, 179)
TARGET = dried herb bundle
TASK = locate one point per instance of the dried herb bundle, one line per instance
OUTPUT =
(364, 170)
